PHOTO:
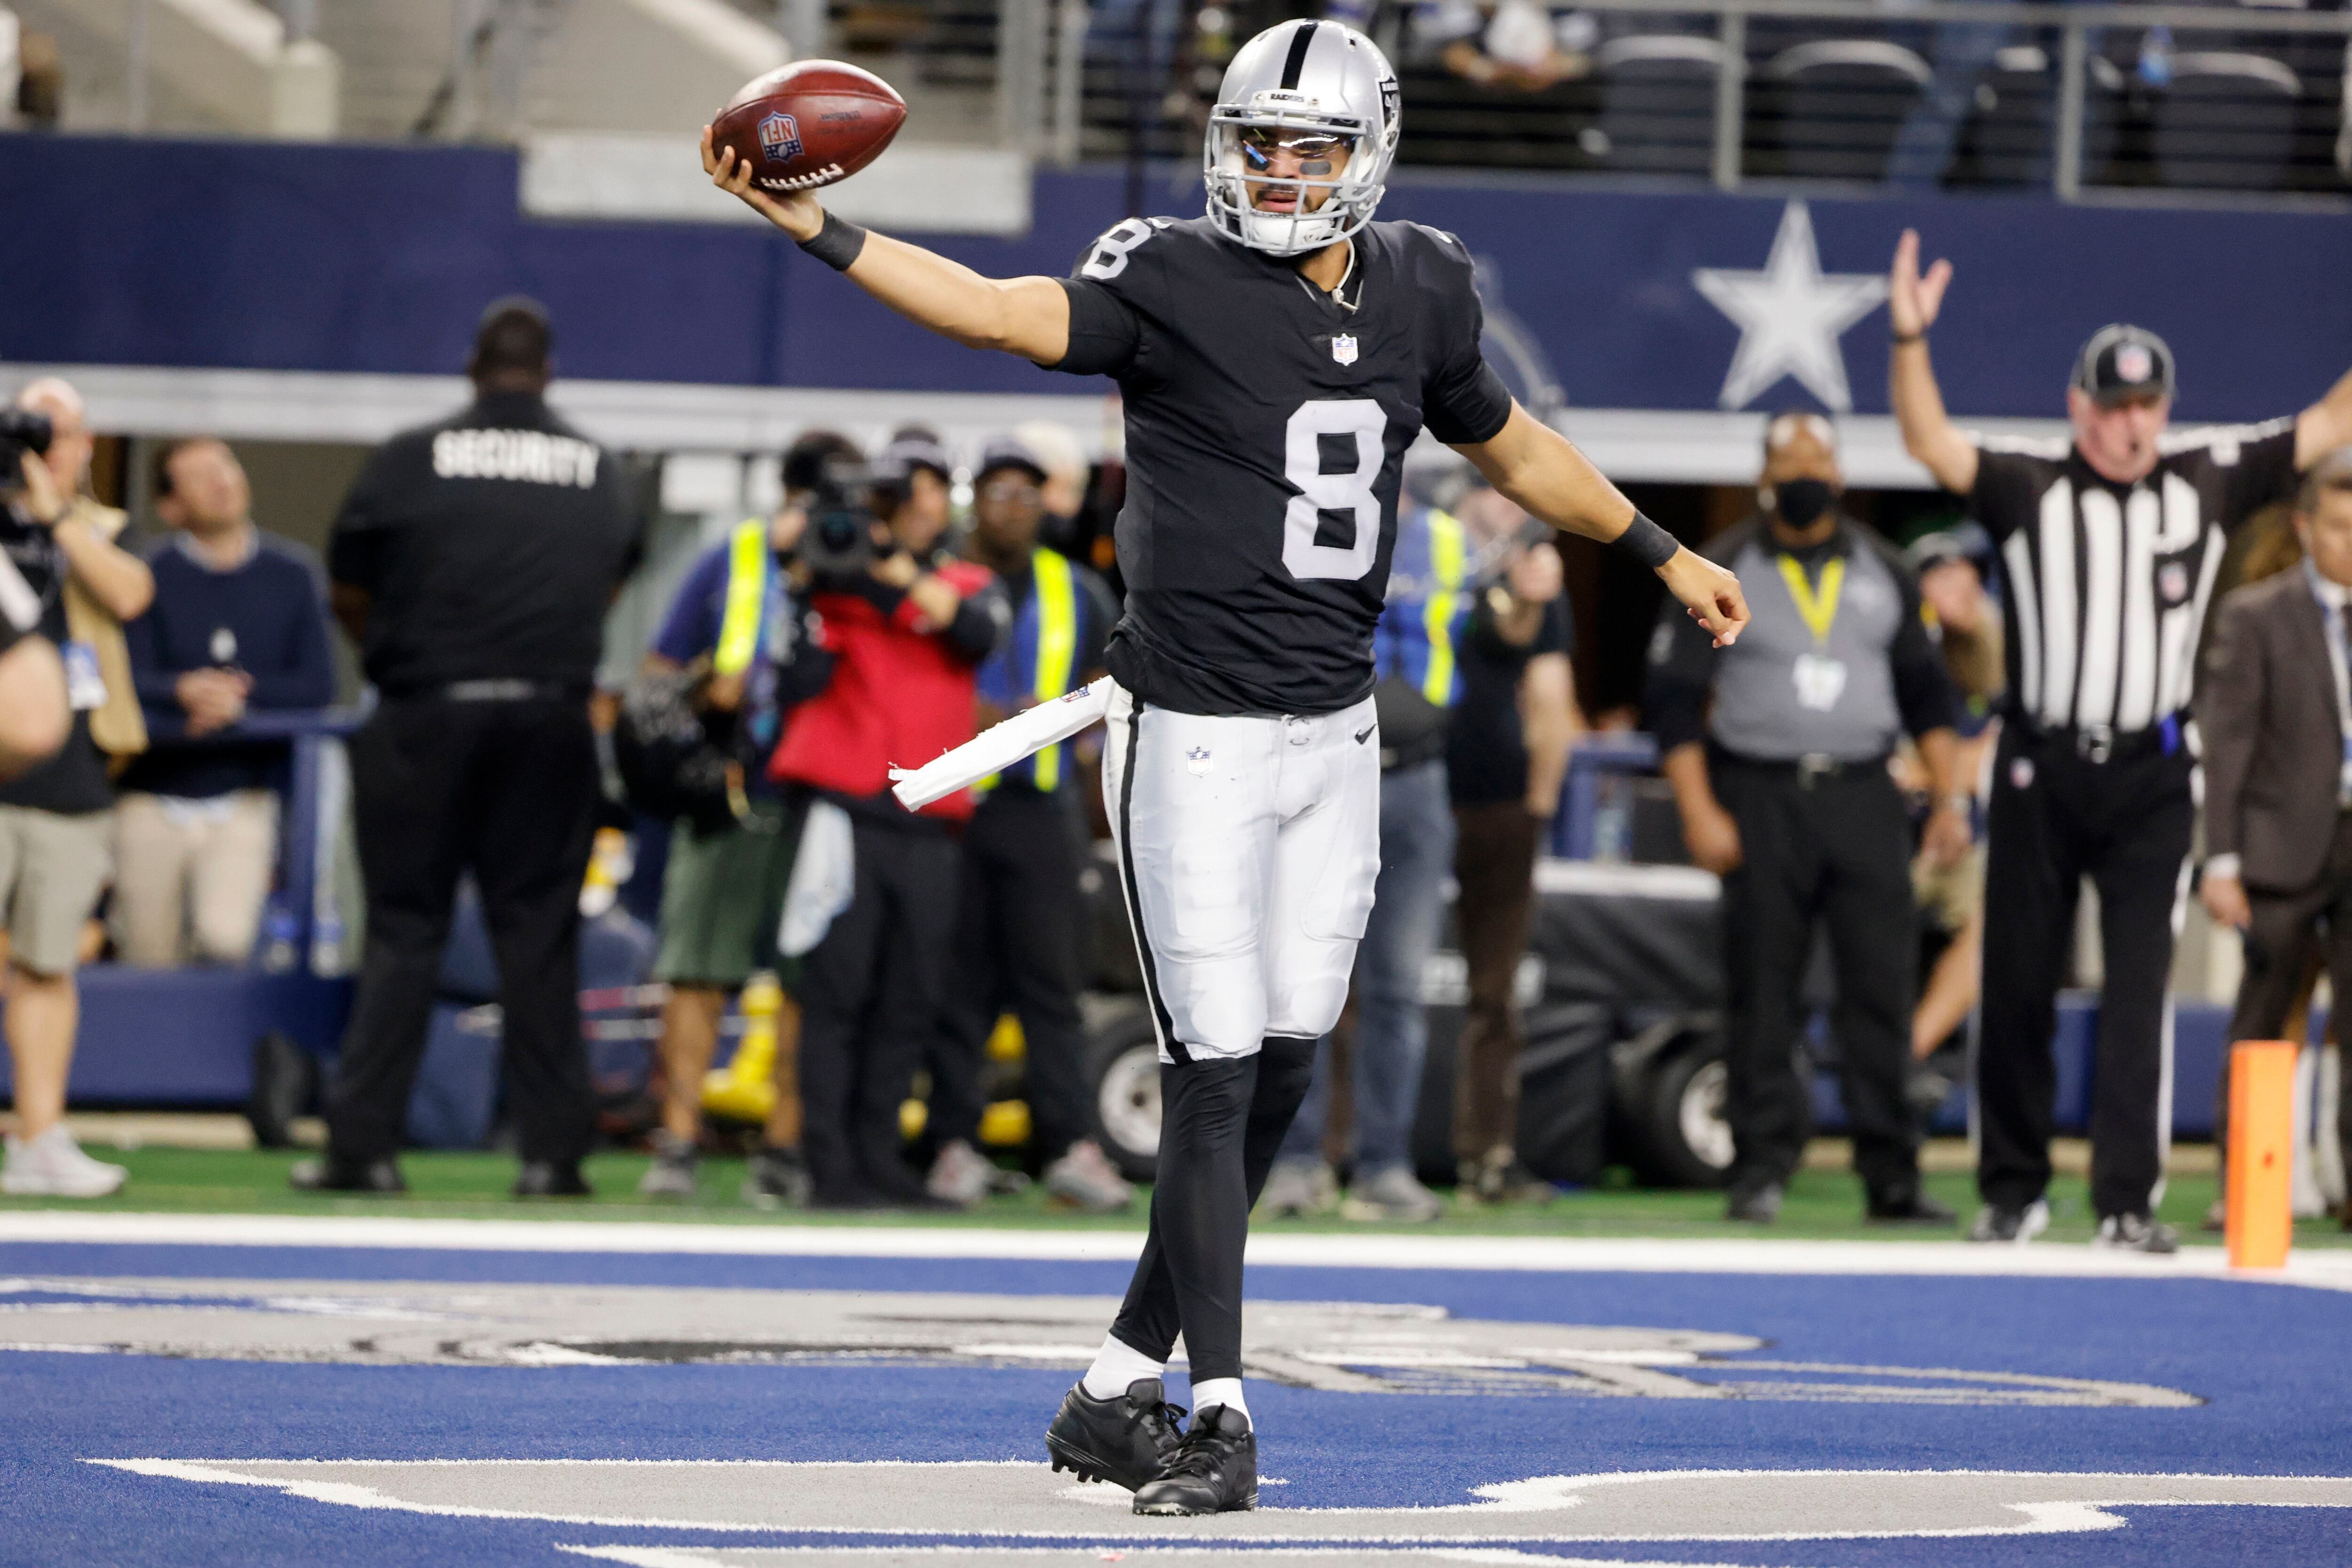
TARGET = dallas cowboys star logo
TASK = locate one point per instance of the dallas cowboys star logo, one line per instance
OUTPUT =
(1791, 316)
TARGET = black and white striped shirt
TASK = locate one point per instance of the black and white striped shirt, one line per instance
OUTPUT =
(2107, 583)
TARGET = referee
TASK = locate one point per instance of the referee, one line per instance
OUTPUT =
(473, 563)
(2110, 545)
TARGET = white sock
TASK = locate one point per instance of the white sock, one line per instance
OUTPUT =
(1117, 1364)
(1225, 1391)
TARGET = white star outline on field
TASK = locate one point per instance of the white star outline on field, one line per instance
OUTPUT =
(1791, 316)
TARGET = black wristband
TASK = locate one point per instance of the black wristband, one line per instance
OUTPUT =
(1902, 338)
(1647, 543)
(836, 245)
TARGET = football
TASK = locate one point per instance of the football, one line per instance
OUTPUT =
(808, 124)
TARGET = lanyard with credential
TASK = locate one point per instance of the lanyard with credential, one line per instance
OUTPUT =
(1819, 608)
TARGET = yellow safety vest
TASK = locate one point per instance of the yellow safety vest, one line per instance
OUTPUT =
(1446, 559)
(1057, 649)
(748, 565)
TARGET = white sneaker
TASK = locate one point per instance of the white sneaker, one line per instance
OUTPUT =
(958, 1176)
(1394, 1192)
(1084, 1178)
(1299, 1186)
(53, 1165)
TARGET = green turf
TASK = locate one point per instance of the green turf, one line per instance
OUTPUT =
(1821, 1203)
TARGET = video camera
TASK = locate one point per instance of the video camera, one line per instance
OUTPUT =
(839, 539)
(21, 430)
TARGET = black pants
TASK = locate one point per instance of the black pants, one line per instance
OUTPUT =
(2056, 817)
(506, 790)
(1017, 951)
(1835, 848)
(2288, 928)
(870, 994)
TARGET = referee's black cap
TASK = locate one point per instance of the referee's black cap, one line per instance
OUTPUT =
(2123, 363)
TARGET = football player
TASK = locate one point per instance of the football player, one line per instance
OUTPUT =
(1277, 356)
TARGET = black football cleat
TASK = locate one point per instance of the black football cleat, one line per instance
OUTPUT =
(1213, 1469)
(1124, 1440)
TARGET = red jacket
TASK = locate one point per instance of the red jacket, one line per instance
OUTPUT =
(898, 696)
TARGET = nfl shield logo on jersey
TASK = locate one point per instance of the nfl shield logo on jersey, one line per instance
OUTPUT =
(780, 138)
(1343, 348)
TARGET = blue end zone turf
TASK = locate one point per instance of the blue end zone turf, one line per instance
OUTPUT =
(2270, 1395)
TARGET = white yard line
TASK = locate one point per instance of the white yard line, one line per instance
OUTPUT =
(2324, 1270)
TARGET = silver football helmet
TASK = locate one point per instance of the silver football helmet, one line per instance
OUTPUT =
(1301, 81)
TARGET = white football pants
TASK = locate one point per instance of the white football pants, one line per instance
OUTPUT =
(1249, 848)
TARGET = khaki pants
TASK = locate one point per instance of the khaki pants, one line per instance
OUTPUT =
(192, 876)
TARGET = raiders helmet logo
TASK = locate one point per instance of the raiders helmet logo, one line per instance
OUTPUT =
(1343, 348)
(780, 139)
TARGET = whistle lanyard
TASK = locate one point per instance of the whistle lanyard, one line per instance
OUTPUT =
(1818, 607)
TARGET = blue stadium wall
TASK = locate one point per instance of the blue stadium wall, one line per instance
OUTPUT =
(348, 259)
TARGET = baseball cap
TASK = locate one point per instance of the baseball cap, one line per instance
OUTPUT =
(2124, 361)
(1010, 452)
(914, 448)
(1964, 542)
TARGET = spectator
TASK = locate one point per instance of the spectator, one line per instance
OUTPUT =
(473, 563)
(239, 622)
(1785, 794)
(1515, 44)
(1507, 759)
(1064, 493)
(1428, 601)
(1966, 626)
(2276, 714)
(907, 630)
(55, 829)
(1021, 931)
(737, 619)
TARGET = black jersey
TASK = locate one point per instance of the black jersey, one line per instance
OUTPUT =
(2109, 582)
(1266, 427)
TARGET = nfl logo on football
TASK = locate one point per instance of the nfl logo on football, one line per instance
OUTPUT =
(780, 138)
(1343, 348)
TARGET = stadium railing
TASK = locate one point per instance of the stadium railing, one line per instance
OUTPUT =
(2075, 98)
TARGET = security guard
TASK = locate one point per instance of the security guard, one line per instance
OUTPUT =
(1790, 801)
(1020, 938)
(473, 563)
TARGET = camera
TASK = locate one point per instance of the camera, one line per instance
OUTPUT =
(21, 430)
(839, 539)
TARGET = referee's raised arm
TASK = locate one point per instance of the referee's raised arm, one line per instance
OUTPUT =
(1929, 432)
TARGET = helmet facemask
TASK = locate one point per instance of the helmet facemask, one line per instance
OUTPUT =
(1239, 157)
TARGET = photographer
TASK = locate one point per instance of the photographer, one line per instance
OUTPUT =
(732, 650)
(54, 818)
(908, 626)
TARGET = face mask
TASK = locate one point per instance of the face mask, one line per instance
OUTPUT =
(1799, 501)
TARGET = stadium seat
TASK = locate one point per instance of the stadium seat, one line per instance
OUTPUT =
(1835, 104)
(2228, 120)
(1657, 102)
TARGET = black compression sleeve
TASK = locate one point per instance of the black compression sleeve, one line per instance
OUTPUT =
(1148, 1321)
